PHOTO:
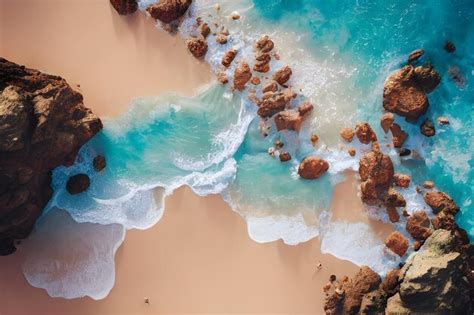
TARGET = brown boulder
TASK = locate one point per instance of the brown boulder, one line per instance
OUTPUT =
(271, 86)
(124, 7)
(415, 55)
(397, 243)
(393, 199)
(398, 135)
(364, 133)
(365, 281)
(427, 128)
(99, 163)
(264, 44)
(439, 201)
(285, 156)
(347, 134)
(292, 119)
(312, 167)
(242, 75)
(197, 46)
(390, 283)
(401, 180)
(376, 166)
(427, 77)
(168, 10)
(262, 61)
(228, 57)
(78, 183)
(282, 75)
(418, 225)
(43, 125)
(386, 121)
(273, 103)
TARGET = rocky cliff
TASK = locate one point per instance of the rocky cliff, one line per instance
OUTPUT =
(43, 124)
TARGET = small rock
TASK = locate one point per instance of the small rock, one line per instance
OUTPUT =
(255, 81)
(242, 75)
(455, 74)
(415, 55)
(401, 180)
(99, 163)
(197, 46)
(278, 144)
(282, 75)
(78, 183)
(235, 15)
(392, 198)
(285, 156)
(428, 184)
(222, 77)
(443, 121)
(332, 278)
(427, 128)
(386, 121)
(221, 39)
(449, 47)
(228, 57)
(204, 29)
(364, 133)
(271, 86)
(347, 134)
(351, 151)
(404, 152)
(314, 139)
(393, 214)
(398, 135)
(417, 245)
(312, 167)
(397, 243)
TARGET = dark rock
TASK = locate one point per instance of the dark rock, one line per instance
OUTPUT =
(285, 156)
(78, 183)
(124, 7)
(404, 152)
(168, 10)
(43, 124)
(99, 163)
(449, 47)
(312, 167)
(427, 77)
(427, 128)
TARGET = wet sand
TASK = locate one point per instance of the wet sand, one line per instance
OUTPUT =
(198, 258)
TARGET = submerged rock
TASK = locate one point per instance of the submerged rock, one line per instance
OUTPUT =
(99, 163)
(124, 7)
(427, 128)
(197, 46)
(168, 10)
(397, 243)
(242, 75)
(449, 47)
(312, 167)
(43, 124)
(78, 183)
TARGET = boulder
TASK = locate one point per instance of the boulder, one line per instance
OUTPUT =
(390, 283)
(386, 121)
(292, 119)
(392, 198)
(398, 135)
(364, 133)
(197, 46)
(312, 167)
(124, 7)
(264, 44)
(168, 10)
(440, 201)
(401, 180)
(347, 134)
(78, 183)
(242, 75)
(271, 86)
(427, 77)
(43, 124)
(393, 215)
(262, 62)
(229, 57)
(418, 225)
(273, 103)
(397, 243)
(376, 166)
(282, 75)
(99, 163)
(427, 128)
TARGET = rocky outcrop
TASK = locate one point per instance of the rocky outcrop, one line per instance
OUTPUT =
(43, 124)
(197, 46)
(242, 75)
(405, 91)
(440, 202)
(292, 119)
(78, 183)
(312, 167)
(435, 280)
(124, 7)
(168, 10)
(397, 243)
(364, 133)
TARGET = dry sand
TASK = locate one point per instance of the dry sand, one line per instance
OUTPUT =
(198, 258)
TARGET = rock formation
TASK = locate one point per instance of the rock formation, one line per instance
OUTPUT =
(229, 57)
(124, 7)
(168, 10)
(312, 167)
(397, 243)
(43, 124)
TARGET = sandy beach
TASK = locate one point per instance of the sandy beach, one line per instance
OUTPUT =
(199, 257)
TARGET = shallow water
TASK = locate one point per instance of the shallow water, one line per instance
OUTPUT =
(341, 52)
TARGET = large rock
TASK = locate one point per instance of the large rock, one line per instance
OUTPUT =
(364, 133)
(124, 7)
(242, 75)
(43, 124)
(439, 201)
(312, 167)
(434, 280)
(365, 281)
(397, 243)
(399, 136)
(418, 225)
(405, 91)
(169, 10)
(376, 166)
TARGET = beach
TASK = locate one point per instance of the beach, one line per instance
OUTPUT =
(198, 258)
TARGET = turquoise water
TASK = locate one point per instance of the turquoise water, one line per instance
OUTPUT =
(341, 53)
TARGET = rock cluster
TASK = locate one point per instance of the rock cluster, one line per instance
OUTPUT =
(43, 124)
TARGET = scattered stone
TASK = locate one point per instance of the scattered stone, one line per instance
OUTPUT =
(351, 151)
(314, 139)
(242, 75)
(204, 29)
(264, 44)
(427, 128)
(404, 152)
(124, 7)
(271, 86)
(235, 15)
(312, 167)
(443, 121)
(401, 180)
(222, 77)
(440, 201)
(449, 47)
(415, 55)
(273, 103)
(364, 133)
(332, 278)
(197, 46)
(398, 135)
(221, 39)
(393, 214)
(397, 243)
(282, 75)
(278, 144)
(99, 163)
(455, 75)
(428, 184)
(255, 81)
(418, 225)
(392, 198)
(347, 134)
(229, 57)
(168, 10)
(285, 156)
(78, 183)
(291, 119)
(386, 121)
